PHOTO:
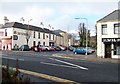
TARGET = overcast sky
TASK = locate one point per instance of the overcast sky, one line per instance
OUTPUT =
(58, 13)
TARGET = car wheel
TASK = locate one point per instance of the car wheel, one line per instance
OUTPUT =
(22, 49)
(75, 52)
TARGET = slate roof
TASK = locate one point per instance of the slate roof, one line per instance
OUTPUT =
(25, 26)
(114, 16)
(58, 31)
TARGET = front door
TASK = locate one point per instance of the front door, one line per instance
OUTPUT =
(107, 50)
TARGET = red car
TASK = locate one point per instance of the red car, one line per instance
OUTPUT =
(51, 48)
(40, 48)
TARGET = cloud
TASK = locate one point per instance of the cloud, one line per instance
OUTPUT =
(60, 14)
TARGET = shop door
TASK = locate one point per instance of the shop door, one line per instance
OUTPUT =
(107, 50)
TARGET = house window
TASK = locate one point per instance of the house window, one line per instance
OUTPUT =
(5, 32)
(117, 28)
(38, 35)
(34, 35)
(104, 29)
(43, 35)
(53, 37)
(50, 36)
(43, 43)
(34, 43)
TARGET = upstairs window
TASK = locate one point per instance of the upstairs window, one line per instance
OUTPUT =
(50, 36)
(104, 29)
(43, 35)
(5, 32)
(117, 28)
(38, 35)
(34, 35)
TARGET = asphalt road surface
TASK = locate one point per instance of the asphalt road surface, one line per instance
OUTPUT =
(75, 70)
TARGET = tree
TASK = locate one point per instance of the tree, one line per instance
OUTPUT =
(82, 30)
(28, 35)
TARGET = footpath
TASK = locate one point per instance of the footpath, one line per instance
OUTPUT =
(91, 57)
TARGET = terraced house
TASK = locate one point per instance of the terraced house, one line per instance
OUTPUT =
(15, 34)
(108, 36)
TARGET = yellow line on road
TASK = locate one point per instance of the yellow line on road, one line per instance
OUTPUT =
(52, 78)
(45, 76)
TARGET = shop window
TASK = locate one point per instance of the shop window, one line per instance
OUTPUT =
(104, 29)
(117, 48)
(117, 28)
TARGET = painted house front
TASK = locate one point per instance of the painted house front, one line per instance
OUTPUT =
(14, 34)
(108, 36)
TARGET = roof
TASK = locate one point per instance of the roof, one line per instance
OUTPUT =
(26, 26)
(111, 17)
(58, 31)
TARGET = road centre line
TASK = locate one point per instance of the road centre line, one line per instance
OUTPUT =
(58, 65)
(69, 63)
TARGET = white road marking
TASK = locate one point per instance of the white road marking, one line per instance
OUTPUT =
(69, 64)
(13, 58)
(58, 65)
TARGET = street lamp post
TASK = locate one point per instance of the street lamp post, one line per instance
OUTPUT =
(86, 33)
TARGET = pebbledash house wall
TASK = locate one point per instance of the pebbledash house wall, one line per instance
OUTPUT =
(110, 34)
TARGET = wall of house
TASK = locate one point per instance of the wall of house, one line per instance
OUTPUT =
(110, 34)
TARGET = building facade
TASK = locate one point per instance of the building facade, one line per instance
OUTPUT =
(108, 36)
(14, 34)
(67, 39)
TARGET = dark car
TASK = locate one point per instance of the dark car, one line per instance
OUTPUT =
(71, 48)
(24, 48)
(57, 48)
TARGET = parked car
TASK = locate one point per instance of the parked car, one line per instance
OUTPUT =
(51, 48)
(24, 48)
(91, 49)
(57, 48)
(62, 48)
(71, 48)
(81, 51)
(40, 48)
(33, 48)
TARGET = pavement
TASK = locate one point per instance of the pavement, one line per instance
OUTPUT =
(91, 57)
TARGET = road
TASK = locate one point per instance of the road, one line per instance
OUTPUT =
(75, 70)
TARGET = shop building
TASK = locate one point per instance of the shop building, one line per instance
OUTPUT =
(15, 34)
(108, 36)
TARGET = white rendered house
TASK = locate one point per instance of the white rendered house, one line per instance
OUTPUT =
(108, 36)
(14, 34)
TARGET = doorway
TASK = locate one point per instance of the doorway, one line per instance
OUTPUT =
(107, 50)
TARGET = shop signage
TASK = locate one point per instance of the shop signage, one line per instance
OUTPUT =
(20, 33)
(110, 39)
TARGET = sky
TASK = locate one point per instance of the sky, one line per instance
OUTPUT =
(60, 14)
